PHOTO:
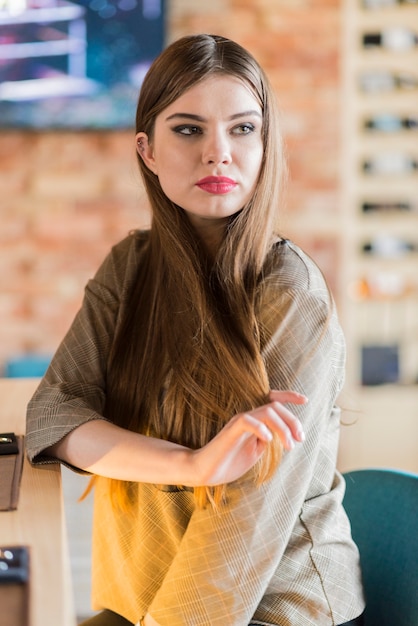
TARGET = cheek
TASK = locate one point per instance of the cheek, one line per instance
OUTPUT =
(174, 166)
(254, 164)
(166, 185)
(171, 180)
(252, 156)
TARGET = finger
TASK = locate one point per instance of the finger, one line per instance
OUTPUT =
(287, 396)
(291, 421)
(250, 424)
(294, 423)
(280, 420)
(273, 421)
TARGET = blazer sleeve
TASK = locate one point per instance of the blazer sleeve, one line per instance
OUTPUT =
(228, 557)
(72, 391)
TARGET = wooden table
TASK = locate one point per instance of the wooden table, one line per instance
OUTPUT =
(39, 520)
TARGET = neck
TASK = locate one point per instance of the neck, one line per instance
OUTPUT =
(211, 233)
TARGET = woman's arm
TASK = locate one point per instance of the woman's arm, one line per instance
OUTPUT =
(102, 448)
(72, 392)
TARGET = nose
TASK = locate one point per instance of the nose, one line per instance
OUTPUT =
(216, 149)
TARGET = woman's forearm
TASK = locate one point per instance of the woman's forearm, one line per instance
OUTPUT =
(102, 448)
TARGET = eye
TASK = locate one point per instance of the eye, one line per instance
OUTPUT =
(188, 129)
(243, 129)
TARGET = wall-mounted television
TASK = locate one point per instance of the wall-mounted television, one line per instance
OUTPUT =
(75, 64)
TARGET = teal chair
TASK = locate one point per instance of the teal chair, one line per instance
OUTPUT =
(382, 506)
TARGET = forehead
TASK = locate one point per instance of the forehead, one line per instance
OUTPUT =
(218, 94)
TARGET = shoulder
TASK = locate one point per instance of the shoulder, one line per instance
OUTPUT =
(298, 318)
(120, 266)
(129, 250)
(289, 268)
(294, 300)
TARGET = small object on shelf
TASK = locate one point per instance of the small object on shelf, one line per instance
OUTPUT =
(388, 246)
(378, 81)
(379, 364)
(396, 39)
(387, 207)
(382, 285)
(380, 4)
(387, 123)
(390, 163)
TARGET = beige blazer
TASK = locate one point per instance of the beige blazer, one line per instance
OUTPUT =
(279, 554)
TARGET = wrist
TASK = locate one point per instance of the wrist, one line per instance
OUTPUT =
(190, 469)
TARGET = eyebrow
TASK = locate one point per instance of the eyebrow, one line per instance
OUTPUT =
(199, 118)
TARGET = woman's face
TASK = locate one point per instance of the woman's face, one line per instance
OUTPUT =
(207, 149)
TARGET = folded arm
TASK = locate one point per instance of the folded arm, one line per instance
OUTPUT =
(103, 448)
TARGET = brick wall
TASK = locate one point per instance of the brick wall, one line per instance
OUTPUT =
(66, 197)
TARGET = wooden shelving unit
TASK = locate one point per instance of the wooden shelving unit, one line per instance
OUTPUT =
(379, 289)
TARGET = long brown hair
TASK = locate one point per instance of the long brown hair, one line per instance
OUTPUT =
(187, 354)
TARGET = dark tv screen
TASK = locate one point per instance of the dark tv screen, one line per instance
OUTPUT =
(75, 64)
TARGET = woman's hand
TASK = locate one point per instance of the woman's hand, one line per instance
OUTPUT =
(240, 444)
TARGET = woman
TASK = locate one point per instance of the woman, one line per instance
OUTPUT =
(170, 387)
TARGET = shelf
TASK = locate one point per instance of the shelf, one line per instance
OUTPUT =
(386, 17)
(389, 316)
(376, 59)
(372, 141)
(389, 186)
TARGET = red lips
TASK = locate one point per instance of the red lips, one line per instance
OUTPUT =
(216, 184)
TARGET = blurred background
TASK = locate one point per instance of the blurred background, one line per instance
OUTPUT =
(346, 76)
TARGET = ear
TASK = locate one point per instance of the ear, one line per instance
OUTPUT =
(145, 151)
